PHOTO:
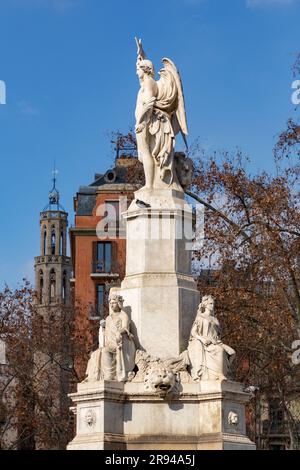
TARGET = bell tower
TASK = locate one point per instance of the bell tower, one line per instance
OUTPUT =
(53, 266)
(54, 303)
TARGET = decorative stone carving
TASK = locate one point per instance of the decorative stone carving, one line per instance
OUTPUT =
(93, 370)
(90, 418)
(160, 115)
(184, 169)
(160, 376)
(118, 352)
(233, 418)
(93, 367)
(159, 380)
(143, 361)
(115, 357)
(210, 358)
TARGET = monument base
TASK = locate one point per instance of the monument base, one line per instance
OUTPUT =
(209, 415)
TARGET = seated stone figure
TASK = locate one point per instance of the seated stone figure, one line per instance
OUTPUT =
(115, 357)
(210, 358)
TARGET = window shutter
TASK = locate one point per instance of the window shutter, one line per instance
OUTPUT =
(95, 245)
(94, 257)
(114, 257)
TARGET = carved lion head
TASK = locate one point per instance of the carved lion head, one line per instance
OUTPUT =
(159, 380)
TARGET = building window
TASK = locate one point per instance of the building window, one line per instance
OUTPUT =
(101, 301)
(102, 257)
(53, 242)
(276, 416)
(52, 285)
(45, 241)
(113, 215)
(61, 242)
(41, 287)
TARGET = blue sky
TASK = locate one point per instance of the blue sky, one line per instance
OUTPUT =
(69, 69)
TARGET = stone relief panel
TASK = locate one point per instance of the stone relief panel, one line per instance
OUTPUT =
(90, 418)
(234, 418)
(87, 419)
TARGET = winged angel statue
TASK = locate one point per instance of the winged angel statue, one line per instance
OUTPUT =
(160, 116)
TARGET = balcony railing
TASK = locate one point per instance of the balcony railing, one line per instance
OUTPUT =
(278, 427)
(105, 268)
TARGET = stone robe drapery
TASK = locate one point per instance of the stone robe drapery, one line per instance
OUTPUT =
(118, 356)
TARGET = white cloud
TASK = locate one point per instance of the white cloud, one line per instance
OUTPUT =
(269, 3)
(26, 108)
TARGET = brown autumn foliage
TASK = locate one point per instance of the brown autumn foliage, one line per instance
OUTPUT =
(39, 371)
(251, 246)
(15, 399)
(125, 146)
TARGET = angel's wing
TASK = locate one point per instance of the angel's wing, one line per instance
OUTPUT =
(180, 115)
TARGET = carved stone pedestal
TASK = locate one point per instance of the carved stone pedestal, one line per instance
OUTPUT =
(115, 416)
(160, 295)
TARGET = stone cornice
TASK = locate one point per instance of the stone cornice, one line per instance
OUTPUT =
(52, 259)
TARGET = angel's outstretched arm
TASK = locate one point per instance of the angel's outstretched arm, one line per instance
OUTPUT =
(140, 51)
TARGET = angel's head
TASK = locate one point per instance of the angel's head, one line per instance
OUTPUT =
(145, 66)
